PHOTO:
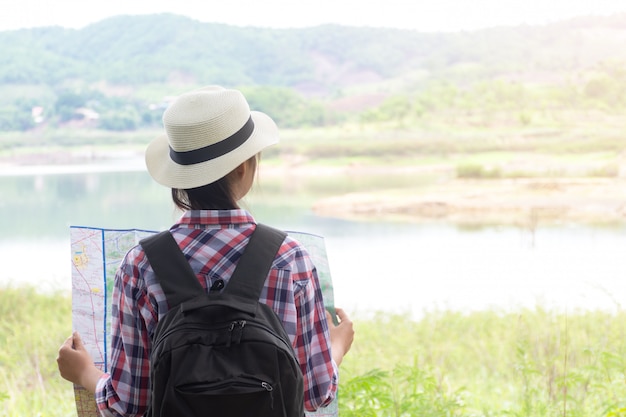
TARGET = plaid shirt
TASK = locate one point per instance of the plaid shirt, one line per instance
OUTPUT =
(213, 241)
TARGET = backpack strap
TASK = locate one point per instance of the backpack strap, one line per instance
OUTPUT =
(171, 267)
(254, 265)
(168, 261)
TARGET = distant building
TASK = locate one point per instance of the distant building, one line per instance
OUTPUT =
(87, 114)
(37, 114)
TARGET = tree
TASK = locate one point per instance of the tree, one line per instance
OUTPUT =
(127, 118)
(13, 117)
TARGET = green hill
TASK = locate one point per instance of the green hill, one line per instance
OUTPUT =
(127, 64)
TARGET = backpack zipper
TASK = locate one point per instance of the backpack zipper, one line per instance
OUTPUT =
(287, 346)
(162, 337)
(269, 388)
(239, 324)
(236, 330)
(246, 383)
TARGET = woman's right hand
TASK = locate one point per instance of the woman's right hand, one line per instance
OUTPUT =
(341, 335)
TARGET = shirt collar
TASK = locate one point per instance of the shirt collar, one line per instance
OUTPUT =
(215, 218)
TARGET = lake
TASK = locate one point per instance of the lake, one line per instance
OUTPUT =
(376, 266)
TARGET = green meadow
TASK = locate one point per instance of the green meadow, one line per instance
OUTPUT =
(527, 362)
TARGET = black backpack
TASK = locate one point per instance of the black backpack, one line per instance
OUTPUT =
(225, 353)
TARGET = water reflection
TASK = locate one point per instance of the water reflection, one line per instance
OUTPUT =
(45, 205)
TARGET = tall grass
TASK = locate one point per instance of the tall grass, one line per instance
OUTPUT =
(32, 327)
(530, 362)
(525, 363)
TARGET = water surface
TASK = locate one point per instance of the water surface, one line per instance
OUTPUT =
(376, 266)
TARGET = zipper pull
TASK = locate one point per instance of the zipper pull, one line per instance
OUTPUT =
(236, 330)
(269, 388)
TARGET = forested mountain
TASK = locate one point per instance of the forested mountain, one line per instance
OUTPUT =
(141, 58)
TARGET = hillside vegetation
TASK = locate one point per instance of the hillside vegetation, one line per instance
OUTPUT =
(119, 74)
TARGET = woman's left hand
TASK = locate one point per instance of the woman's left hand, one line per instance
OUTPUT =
(76, 365)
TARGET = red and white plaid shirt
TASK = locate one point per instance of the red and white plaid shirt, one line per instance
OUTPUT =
(213, 241)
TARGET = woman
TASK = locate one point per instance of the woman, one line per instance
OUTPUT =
(208, 157)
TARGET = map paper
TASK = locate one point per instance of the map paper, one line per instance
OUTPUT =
(96, 254)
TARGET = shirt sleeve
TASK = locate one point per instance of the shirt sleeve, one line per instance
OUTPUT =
(124, 391)
(313, 340)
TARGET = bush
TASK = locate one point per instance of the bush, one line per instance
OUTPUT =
(471, 170)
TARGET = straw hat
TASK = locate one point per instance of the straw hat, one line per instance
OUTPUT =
(208, 133)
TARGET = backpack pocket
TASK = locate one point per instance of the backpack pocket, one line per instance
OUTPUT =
(243, 395)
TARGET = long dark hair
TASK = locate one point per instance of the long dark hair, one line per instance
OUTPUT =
(217, 195)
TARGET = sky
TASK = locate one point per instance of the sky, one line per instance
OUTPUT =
(421, 15)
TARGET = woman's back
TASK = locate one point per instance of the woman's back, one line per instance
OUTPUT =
(208, 156)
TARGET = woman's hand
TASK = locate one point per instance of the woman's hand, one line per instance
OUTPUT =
(341, 335)
(76, 365)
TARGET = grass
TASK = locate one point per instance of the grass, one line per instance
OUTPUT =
(32, 327)
(524, 363)
(498, 151)
(531, 362)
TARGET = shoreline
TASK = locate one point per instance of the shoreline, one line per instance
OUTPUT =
(72, 162)
(525, 203)
(522, 202)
